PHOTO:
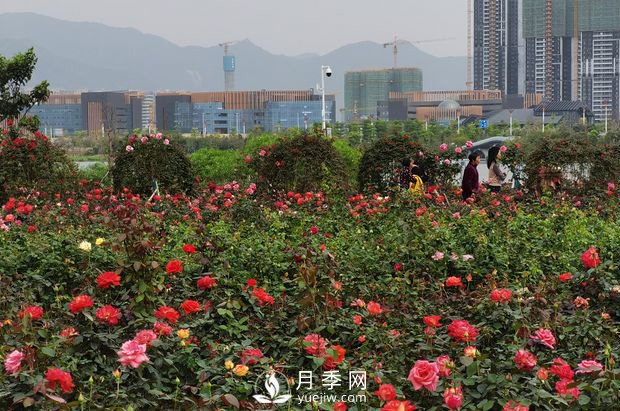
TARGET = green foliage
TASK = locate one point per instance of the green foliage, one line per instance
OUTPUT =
(138, 166)
(254, 143)
(351, 157)
(15, 73)
(220, 166)
(308, 162)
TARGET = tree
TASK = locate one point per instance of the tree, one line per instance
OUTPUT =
(15, 73)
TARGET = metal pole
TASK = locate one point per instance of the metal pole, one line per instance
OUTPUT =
(323, 96)
(204, 129)
(543, 119)
(458, 124)
(606, 118)
(510, 124)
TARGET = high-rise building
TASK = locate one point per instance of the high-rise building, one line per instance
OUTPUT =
(60, 115)
(498, 46)
(584, 52)
(364, 90)
(116, 111)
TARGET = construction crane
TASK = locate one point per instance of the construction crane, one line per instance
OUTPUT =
(229, 66)
(470, 57)
(396, 42)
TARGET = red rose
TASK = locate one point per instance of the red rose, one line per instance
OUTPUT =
(108, 314)
(262, 296)
(57, 376)
(189, 248)
(107, 279)
(562, 369)
(314, 229)
(396, 405)
(167, 313)
(424, 374)
(190, 306)
(445, 365)
(502, 295)
(561, 387)
(33, 311)
(512, 405)
(206, 282)
(386, 392)
(80, 303)
(314, 345)
(162, 329)
(432, 320)
(251, 356)
(453, 397)
(174, 266)
(525, 360)
(454, 282)
(331, 360)
(374, 308)
(564, 277)
(462, 330)
(590, 258)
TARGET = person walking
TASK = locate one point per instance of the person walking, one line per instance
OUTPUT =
(471, 180)
(409, 174)
(496, 176)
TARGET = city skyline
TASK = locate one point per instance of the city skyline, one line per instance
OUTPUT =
(278, 26)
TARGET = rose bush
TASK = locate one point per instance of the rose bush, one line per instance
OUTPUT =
(113, 299)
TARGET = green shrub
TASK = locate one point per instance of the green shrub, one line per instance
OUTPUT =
(138, 165)
(351, 157)
(255, 143)
(220, 166)
(309, 162)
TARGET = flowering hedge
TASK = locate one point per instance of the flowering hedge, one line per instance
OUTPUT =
(151, 158)
(111, 300)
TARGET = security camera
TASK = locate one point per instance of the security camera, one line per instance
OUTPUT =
(328, 71)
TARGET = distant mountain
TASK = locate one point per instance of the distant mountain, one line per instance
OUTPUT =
(93, 56)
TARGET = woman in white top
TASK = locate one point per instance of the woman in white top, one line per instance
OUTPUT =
(496, 176)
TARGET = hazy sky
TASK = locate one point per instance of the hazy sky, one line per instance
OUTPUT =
(288, 27)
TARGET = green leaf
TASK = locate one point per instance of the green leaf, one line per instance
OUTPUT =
(584, 399)
(48, 351)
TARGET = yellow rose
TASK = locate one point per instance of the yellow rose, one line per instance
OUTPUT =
(241, 370)
(183, 333)
(116, 374)
(99, 241)
(229, 365)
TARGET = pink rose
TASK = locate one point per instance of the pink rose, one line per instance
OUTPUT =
(144, 139)
(589, 366)
(447, 162)
(445, 365)
(424, 374)
(458, 150)
(166, 141)
(438, 256)
(133, 354)
(129, 149)
(443, 147)
(545, 337)
(453, 397)
(469, 144)
(525, 360)
(503, 149)
(13, 362)
(158, 136)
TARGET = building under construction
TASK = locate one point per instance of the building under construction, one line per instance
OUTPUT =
(366, 90)
(572, 52)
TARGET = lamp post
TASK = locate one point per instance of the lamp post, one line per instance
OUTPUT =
(326, 71)
(510, 123)
(204, 128)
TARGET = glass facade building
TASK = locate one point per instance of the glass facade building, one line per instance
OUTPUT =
(281, 115)
(58, 119)
(363, 90)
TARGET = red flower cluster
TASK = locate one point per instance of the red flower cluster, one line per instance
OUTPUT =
(501, 295)
(108, 279)
(79, 303)
(590, 258)
(190, 306)
(462, 330)
(261, 295)
(454, 282)
(206, 282)
(57, 376)
(374, 308)
(167, 313)
(189, 248)
(525, 360)
(108, 314)
(174, 266)
(33, 311)
(251, 356)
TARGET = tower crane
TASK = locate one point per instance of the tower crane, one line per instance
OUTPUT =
(397, 41)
